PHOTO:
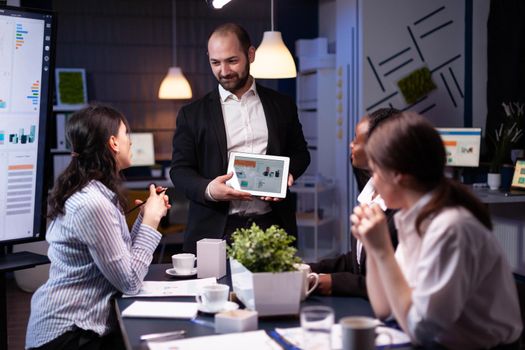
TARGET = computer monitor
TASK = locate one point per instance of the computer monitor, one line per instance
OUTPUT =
(462, 146)
(27, 46)
(143, 150)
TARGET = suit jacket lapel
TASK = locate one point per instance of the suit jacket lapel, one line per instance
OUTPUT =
(271, 114)
(217, 123)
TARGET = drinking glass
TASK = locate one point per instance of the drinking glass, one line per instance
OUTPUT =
(316, 323)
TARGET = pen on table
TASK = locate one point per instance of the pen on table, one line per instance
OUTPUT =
(282, 341)
(204, 323)
(159, 190)
(163, 336)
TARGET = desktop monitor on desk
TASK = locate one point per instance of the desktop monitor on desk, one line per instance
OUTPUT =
(142, 149)
(462, 146)
(142, 158)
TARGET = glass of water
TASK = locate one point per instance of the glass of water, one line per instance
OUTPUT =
(316, 324)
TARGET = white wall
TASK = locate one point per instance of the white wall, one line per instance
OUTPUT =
(402, 36)
(342, 19)
(327, 27)
(330, 11)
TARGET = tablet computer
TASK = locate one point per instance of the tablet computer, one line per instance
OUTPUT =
(259, 174)
(517, 187)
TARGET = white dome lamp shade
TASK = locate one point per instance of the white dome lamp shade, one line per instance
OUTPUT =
(175, 86)
(218, 4)
(273, 60)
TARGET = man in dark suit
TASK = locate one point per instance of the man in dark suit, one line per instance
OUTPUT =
(237, 116)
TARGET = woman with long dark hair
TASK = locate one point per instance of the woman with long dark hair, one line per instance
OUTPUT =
(345, 274)
(93, 254)
(448, 283)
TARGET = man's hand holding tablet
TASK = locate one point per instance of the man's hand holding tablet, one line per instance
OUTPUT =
(275, 199)
(259, 175)
(220, 191)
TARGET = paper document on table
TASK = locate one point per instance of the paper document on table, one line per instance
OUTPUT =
(256, 340)
(399, 339)
(171, 289)
(161, 309)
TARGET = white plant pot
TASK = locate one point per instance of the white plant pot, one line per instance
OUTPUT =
(269, 293)
(494, 180)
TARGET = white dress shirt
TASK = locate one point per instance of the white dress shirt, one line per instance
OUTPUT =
(463, 292)
(368, 196)
(246, 131)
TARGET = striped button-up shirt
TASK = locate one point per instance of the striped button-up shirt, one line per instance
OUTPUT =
(93, 256)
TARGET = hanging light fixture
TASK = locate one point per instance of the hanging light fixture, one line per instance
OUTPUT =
(174, 85)
(272, 58)
(217, 4)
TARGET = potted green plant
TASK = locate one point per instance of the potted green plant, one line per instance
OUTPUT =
(503, 138)
(262, 268)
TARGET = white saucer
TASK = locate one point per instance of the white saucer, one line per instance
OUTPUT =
(228, 306)
(173, 273)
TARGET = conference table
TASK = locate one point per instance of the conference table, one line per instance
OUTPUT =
(203, 324)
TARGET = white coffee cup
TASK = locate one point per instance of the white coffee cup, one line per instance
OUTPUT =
(183, 263)
(213, 297)
(359, 333)
(310, 282)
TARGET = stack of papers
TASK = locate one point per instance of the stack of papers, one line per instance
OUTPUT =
(161, 309)
(260, 340)
(172, 289)
(256, 340)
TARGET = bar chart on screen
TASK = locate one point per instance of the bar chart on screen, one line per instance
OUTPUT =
(22, 136)
(17, 135)
(6, 31)
(16, 74)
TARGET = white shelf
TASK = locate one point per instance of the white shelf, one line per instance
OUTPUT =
(309, 255)
(314, 222)
(316, 97)
(308, 105)
(65, 108)
(312, 189)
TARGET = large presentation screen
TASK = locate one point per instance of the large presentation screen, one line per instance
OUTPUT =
(26, 64)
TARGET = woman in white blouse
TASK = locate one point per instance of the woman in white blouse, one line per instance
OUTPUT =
(93, 254)
(448, 283)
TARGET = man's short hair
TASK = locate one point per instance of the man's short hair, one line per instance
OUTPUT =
(241, 34)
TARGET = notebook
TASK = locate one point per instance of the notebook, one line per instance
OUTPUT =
(517, 187)
(161, 309)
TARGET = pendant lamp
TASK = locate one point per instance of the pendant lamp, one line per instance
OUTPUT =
(272, 58)
(175, 85)
(217, 4)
